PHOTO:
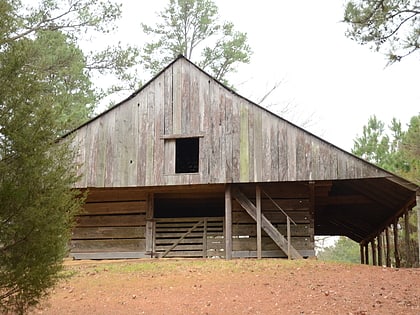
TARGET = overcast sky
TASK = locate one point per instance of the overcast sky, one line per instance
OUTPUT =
(302, 44)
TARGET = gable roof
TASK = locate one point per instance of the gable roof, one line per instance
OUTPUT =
(131, 144)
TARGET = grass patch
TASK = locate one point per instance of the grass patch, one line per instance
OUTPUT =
(167, 266)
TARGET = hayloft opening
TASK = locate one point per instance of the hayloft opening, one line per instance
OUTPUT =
(186, 155)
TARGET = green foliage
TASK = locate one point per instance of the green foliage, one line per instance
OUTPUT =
(410, 147)
(36, 204)
(385, 25)
(344, 250)
(380, 148)
(397, 151)
(46, 91)
(77, 20)
(184, 28)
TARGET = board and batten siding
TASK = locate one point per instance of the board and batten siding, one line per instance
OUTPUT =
(133, 144)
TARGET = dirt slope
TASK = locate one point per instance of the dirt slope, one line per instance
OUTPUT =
(233, 287)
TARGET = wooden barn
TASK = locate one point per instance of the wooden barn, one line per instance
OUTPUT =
(186, 167)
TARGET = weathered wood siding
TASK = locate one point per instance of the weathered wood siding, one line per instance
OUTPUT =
(111, 225)
(134, 143)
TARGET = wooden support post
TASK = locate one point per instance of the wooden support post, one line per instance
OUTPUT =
(258, 206)
(418, 224)
(373, 244)
(408, 254)
(205, 238)
(150, 226)
(388, 247)
(289, 238)
(312, 210)
(396, 250)
(367, 253)
(362, 254)
(380, 249)
(228, 222)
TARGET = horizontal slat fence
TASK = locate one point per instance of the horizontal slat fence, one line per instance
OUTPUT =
(205, 240)
(111, 229)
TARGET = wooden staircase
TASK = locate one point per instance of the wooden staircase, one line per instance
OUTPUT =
(266, 225)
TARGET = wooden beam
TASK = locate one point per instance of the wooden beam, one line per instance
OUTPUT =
(396, 250)
(366, 253)
(258, 204)
(388, 248)
(373, 244)
(228, 222)
(409, 262)
(150, 225)
(362, 254)
(418, 224)
(205, 238)
(380, 249)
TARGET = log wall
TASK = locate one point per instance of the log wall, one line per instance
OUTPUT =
(111, 226)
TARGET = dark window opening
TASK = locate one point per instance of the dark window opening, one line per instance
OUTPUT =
(186, 155)
(188, 207)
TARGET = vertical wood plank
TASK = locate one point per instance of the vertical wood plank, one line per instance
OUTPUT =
(258, 205)
(228, 143)
(236, 140)
(312, 210)
(380, 250)
(81, 145)
(222, 136)
(185, 98)
(169, 148)
(274, 152)
(266, 161)
(388, 247)
(244, 145)
(142, 138)
(396, 245)
(177, 98)
(150, 225)
(195, 92)
(158, 143)
(150, 133)
(408, 258)
(373, 244)
(228, 222)
(205, 147)
(251, 149)
(362, 254)
(289, 238)
(258, 146)
(366, 253)
(418, 224)
(282, 147)
(110, 149)
(134, 143)
(168, 101)
(205, 238)
(291, 154)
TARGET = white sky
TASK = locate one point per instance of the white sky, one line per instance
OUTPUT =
(302, 43)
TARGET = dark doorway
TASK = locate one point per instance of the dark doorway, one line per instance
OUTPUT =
(188, 206)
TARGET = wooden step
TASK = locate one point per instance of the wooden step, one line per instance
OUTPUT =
(266, 225)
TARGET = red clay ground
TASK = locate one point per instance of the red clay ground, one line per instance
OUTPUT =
(233, 287)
